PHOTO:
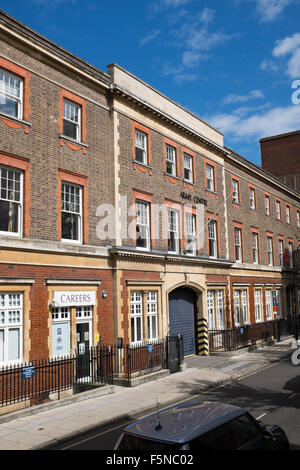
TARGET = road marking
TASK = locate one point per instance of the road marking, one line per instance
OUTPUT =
(261, 416)
(293, 395)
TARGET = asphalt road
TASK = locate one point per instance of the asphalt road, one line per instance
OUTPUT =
(271, 394)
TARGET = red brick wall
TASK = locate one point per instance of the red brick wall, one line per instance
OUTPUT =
(39, 296)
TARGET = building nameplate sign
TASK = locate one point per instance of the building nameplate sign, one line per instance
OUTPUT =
(73, 298)
(195, 199)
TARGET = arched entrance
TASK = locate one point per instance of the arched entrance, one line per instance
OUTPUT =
(182, 317)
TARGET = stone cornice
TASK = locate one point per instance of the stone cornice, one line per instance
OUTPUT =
(166, 258)
(158, 114)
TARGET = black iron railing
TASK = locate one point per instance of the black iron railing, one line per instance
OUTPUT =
(248, 335)
(37, 380)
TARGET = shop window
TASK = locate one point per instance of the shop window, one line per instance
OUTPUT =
(11, 327)
(215, 308)
(257, 305)
(60, 331)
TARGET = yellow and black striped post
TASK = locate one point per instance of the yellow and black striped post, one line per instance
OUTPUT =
(203, 349)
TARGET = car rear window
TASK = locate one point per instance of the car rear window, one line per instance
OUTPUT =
(137, 443)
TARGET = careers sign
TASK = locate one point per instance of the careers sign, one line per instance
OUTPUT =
(73, 298)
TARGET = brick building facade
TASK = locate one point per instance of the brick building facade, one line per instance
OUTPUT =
(123, 214)
(280, 155)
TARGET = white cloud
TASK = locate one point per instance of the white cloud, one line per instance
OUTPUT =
(268, 64)
(232, 98)
(159, 5)
(149, 37)
(293, 69)
(269, 10)
(286, 45)
(271, 122)
(192, 58)
(289, 46)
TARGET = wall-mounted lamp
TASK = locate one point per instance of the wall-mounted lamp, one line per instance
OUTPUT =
(104, 294)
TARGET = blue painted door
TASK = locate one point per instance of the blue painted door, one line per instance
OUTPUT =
(182, 309)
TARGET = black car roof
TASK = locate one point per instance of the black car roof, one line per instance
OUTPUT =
(182, 423)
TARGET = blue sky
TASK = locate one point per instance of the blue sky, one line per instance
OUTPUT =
(232, 62)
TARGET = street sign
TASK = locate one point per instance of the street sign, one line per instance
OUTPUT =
(150, 348)
(28, 372)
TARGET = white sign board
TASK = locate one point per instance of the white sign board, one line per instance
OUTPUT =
(73, 298)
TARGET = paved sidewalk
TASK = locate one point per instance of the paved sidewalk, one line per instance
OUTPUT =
(37, 427)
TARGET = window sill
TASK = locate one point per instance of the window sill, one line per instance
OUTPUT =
(71, 242)
(72, 143)
(14, 122)
(11, 234)
(212, 193)
(142, 167)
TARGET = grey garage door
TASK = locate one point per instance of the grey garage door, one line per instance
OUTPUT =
(182, 309)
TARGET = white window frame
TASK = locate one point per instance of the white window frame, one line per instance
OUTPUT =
(11, 318)
(267, 205)
(244, 305)
(18, 99)
(291, 249)
(252, 199)
(188, 168)
(220, 308)
(136, 313)
(143, 220)
(212, 239)
(152, 315)
(190, 231)
(278, 302)
(77, 123)
(288, 214)
(20, 203)
(281, 251)
(257, 305)
(78, 214)
(211, 309)
(270, 251)
(171, 159)
(235, 188)
(173, 227)
(255, 247)
(298, 219)
(269, 304)
(237, 307)
(278, 210)
(238, 252)
(210, 178)
(141, 142)
(215, 309)
(61, 315)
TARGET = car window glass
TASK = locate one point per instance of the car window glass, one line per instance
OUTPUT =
(220, 438)
(244, 430)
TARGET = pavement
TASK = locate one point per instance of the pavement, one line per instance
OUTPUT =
(42, 426)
